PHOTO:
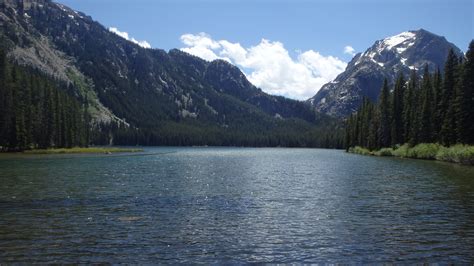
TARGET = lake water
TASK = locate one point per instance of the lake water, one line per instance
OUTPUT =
(234, 205)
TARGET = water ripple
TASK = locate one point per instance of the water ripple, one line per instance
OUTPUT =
(233, 206)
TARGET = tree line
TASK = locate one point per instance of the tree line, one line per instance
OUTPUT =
(37, 112)
(171, 133)
(436, 108)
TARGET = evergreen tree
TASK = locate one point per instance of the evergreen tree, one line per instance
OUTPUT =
(4, 101)
(465, 100)
(446, 108)
(385, 120)
(440, 110)
(437, 119)
(31, 108)
(426, 114)
(397, 111)
(348, 133)
(365, 118)
(373, 134)
(408, 108)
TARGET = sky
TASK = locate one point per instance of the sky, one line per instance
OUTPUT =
(285, 47)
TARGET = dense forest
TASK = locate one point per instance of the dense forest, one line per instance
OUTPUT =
(436, 108)
(153, 97)
(189, 133)
(36, 112)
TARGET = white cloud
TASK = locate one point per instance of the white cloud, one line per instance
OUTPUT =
(200, 45)
(268, 65)
(125, 35)
(349, 50)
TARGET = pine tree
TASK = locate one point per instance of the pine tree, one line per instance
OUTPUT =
(4, 101)
(20, 112)
(365, 118)
(408, 107)
(348, 132)
(436, 116)
(50, 118)
(34, 112)
(12, 137)
(465, 100)
(446, 108)
(416, 114)
(397, 110)
(438, 110)
(384, 111)
(373, 134)
(426, 114)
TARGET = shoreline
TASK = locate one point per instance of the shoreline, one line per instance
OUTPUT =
(79, 150)
(458, 154)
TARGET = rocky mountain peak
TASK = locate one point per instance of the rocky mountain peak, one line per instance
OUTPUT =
(24, 4)
(363, 77)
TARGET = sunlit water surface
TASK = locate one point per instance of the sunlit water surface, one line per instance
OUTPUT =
(234, 205)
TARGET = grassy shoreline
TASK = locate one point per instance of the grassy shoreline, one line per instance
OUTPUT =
(79, 150)
(461, 154)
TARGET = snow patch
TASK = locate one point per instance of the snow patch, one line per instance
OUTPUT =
(403, 49)
(162, 81)
(77, 14)
(185, 113)
(61, 7)
(393, 41)
(377, 62)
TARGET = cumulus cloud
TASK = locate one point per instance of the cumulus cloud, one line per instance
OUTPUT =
(349, 50)
(125, 35)
(269, 66)
(200, 45)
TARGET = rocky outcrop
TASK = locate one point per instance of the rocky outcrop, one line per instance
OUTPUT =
(365, 73)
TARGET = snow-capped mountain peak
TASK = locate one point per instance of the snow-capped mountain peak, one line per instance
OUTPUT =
(403, 39)
(364, 75)
(387, 50)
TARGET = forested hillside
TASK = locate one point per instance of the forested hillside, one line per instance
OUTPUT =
(37, 112)
(438, 108)
(138, 96)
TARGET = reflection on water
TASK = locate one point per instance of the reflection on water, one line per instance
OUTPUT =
(230, 205)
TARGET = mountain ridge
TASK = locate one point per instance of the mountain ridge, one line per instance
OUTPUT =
(150, 90)
(386, 58)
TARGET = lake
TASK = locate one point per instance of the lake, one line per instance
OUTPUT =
(234, 205)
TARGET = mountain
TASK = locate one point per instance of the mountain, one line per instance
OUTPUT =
(365, 73)
(150, 96)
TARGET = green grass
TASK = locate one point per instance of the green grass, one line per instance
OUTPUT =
(81, 150)
(425, 151)
(462, 154)
(384, 152)
(360, 150)
(401, 151)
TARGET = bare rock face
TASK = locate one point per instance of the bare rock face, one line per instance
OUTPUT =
(365, 73)
(21, 4)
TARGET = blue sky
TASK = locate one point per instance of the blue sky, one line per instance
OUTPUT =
(324, 27)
